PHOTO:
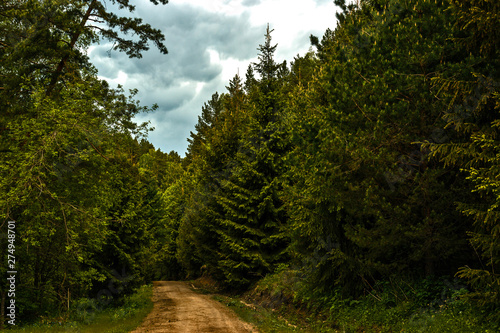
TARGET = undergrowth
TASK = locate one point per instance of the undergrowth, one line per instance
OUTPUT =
(285, 302)
(91, 315)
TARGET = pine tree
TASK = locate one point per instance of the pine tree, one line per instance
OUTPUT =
(251, 226)
(211, 152)
(473, 113)
(209, 116)
(361, 192)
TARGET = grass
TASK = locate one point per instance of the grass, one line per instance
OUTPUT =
(265, 320)
(86, 318)
(283, 303)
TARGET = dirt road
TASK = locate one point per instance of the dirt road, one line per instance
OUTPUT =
(177, 309)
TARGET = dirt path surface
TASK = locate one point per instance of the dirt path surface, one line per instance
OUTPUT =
(179, 309)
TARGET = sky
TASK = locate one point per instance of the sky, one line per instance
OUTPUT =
(208, 42)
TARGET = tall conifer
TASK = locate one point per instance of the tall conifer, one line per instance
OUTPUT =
(252, 224)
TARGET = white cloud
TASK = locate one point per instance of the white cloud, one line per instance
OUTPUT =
(209, 42)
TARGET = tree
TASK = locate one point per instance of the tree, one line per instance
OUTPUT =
(471, 89)
(46, 40)
(57, 185)
(209, 116)
(209, 151)
(360, 192)
(251, 226)
(62, 142)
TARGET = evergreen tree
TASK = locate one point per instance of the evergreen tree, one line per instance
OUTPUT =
(209, 153)
(361, 194)
(209, 116)
(471, 89)
(251, 226)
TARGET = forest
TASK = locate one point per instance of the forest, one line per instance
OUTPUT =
(370, 163)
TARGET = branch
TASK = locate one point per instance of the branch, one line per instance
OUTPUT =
(97, 150)
(74, 39)
(364, 114)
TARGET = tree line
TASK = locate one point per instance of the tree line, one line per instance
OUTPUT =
(76, 173)
(372, 157)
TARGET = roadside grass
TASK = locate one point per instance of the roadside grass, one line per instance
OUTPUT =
(88, 318)
(264, 319)
(432, 305)
(282, 302)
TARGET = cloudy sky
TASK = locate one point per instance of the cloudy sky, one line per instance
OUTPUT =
(208, 42)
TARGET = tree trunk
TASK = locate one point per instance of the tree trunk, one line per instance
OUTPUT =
(74, 39)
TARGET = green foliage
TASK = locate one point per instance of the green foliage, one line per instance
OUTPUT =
(260, 316)
(428, 305)
(46, 40)
(88, 316)
(86, 205)
(335, 155)
(473, 114)
(354, 180)
(234, 226)
(478, 21)
(358, 180)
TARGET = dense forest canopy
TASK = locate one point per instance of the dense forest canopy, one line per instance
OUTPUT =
(372, 158)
